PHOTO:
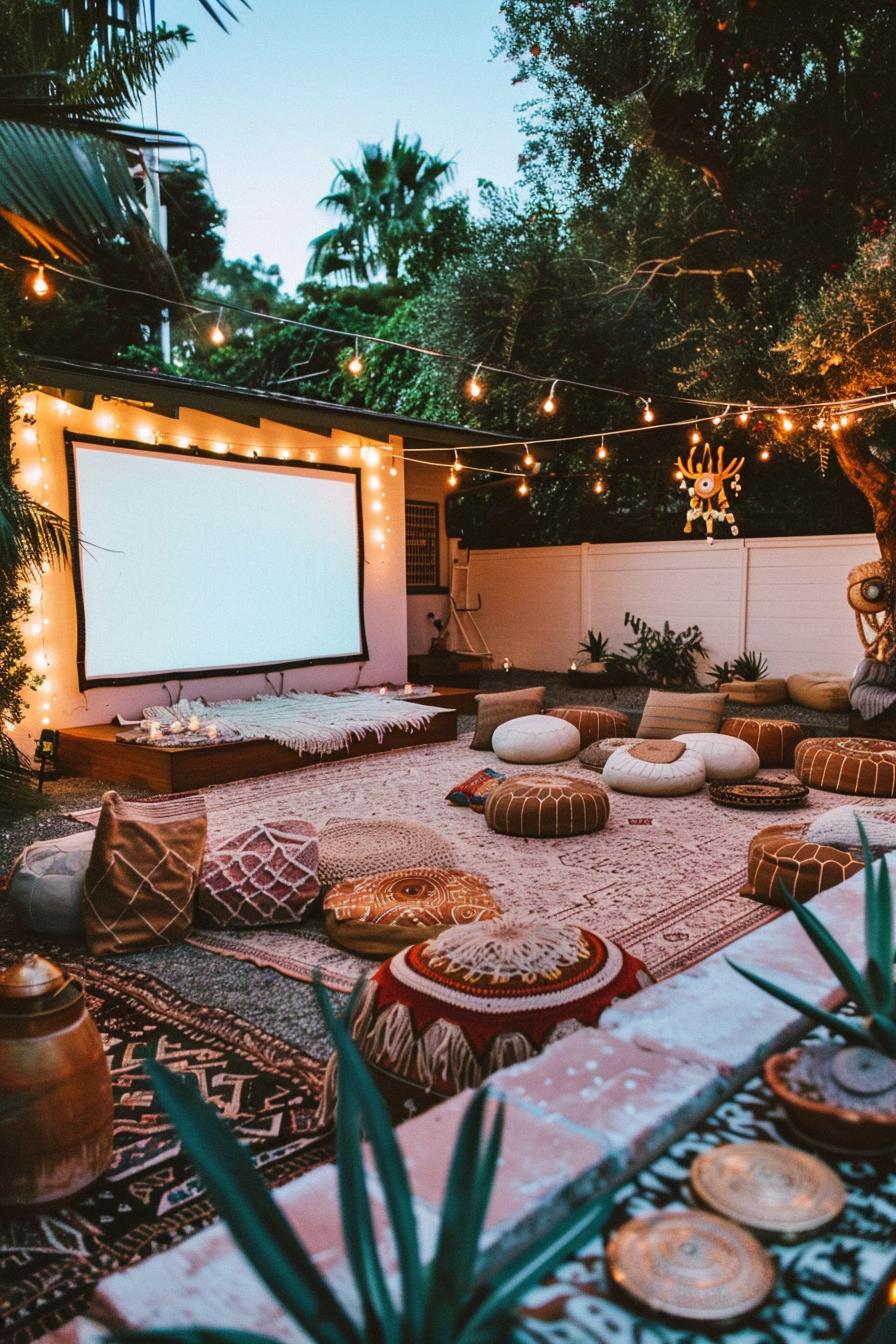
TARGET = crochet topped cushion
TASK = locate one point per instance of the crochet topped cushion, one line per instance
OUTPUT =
(596, 756)
(441, 1016)
(785, 854)
(656, 769)
(473, 792)
(389, 911)
(856, 765)
(594, 724)
(351, 848)
(668, 713)
(535, 739)
(724, 758)
(840, 828)
(45, 890)
(766, 691)
(820, 690)
(265, 875)
(545, 806)
(773, 740)
(493, 710)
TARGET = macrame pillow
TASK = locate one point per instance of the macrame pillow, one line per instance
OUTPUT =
(668, 713)
(840, 828)
(856, 765)
(358, 848)
(724, 758)
(441, 1016)
(536, 739)
(596, 756)
(784, 854)
(656, 770)
(545, 807)
(827, 691)
(265, 875)
(493, 710)
(474, 791)
(593, 724)
(45, 890)
(381, 914)
(773, 740)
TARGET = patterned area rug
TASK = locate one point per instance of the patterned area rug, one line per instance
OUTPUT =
(150, 1198)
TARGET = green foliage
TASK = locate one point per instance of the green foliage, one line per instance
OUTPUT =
(443, 1302)
(664, 658)
(750, 667)
(720, 673)
(597, 647)
(872, 993)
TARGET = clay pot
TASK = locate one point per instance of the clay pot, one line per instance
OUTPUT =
(834, 1127)
(53, 1065)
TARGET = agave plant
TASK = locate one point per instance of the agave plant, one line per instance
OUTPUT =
(596, 646)
(721, 672)
(440, 1303)
(872, 993)
(750, 667)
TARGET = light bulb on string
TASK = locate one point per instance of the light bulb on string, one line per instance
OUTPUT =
(522, 488)
(717, 419)
(474, 387)
(393, 470)
(452, 479)
(744, 417)
(764, 455)
(648, 416)
(602, 450)
(216, 335)
(549, 405)
(40, 285)
(528, 460)
(356, 363)
(844, 421)
(820, 423)
(696, 436)
(599, 487)
(786, 423)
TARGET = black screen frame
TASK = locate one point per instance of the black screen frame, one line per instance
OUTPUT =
(86, 683)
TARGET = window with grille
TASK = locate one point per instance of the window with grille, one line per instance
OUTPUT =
(422, 544)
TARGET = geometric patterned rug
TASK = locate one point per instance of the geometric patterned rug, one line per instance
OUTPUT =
(150, 1199)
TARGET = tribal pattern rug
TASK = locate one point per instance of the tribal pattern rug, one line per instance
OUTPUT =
(150, 1198)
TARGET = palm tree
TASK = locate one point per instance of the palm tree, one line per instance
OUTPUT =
(384, 203)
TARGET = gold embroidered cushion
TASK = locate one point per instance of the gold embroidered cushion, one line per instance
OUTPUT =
(670, 713)
(265, 875)
(140, 885)
(388, 911)
(493, 710)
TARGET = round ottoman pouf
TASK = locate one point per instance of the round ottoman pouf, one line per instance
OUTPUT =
(724, 758)
(441, 1016)
(782, 854)
(596, 756)
(593, 724)
(535, 739)
(358, 848)
(656, 769)
(773, 740)
(856, 765)
(547, 806)
(45, 890)
(381, 914)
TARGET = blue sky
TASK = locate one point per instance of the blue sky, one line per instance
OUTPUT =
(299, 82)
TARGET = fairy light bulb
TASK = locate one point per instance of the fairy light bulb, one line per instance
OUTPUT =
(452, 479)
(679, 476)
(602, 452)
(648, 416)
(764, 455)
(786, 423)
(216, 335)
(40, 285)
(744, 417)
(522, 488)
(844, 421)
(549, 405)
(474, 387)
(695, 435)
(528, 460)
(598, 487)
(356, 363)
(717, 419)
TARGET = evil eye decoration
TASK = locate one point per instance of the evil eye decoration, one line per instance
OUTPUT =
(705, 486)
(866, 590)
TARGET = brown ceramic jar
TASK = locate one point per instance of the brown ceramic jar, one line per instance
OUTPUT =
(56, 1138)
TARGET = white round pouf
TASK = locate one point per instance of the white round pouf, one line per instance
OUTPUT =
(536, 739)
(46, 886)
(728, 759)
(627, 774)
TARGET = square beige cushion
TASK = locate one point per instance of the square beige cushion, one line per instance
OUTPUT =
(670, 713)
(767, 691)
(501, 708)
(828, 691)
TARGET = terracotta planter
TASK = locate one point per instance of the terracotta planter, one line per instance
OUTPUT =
(832, 1127)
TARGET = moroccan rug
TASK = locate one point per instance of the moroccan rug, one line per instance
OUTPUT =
(150, 1198)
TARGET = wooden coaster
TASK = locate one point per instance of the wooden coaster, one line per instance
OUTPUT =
(769, 1188)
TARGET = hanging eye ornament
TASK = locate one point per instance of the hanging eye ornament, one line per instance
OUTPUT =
(708, 500)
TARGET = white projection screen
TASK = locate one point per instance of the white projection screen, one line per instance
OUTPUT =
(192, 565)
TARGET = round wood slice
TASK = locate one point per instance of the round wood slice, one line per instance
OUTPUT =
(768, 1187)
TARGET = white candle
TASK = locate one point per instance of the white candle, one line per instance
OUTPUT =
(155, 732)
(383, 690)
(193, 725)
(212, 731)
(408, 688)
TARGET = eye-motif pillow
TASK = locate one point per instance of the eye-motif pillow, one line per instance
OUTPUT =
(265, 875)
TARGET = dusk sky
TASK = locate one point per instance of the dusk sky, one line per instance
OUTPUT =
(299, 82)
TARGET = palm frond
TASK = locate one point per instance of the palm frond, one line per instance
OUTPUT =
(30, 534)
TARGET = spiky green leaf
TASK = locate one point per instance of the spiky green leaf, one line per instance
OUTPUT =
(848, 974)
(841, 1026)
(188, 1335)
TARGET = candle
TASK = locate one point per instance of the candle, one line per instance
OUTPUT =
(507, 664)
(383, 690)
(155, 732)
(193, 725)
(211, 731)
(176, 727)
(573, 665)
(408, 688)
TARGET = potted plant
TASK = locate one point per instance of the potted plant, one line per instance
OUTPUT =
(841, 1093)
(595, 666)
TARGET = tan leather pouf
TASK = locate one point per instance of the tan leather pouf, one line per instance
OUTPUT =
(767, 691)
(782, 854)
(545, 806)
(593, 724)
(855, 765)
(773, 740)
(828, 691)
(387, 911)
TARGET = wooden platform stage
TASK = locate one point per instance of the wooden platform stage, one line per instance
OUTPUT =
(94, 752)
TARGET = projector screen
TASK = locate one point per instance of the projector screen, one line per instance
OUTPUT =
(192, 566)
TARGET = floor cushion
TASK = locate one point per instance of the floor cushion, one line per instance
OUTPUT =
(596, 756)
(820, 690)
(724, 758)
(493, 710)
(441, 1016)
(856, 765)
(267, 874)
(784, 854)
(473, 792)
(668, 713)
(773, 740)
(350, 848)
(645, 770)
(45, 890)
(766, 691)
(840, 828)
(536, 739)
(593, 724)
(381, 914)
(544, 806)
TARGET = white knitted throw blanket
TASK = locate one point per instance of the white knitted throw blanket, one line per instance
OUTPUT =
(300, 720)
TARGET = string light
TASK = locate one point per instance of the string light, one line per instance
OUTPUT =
(549, 405)
(452, 479)
(474, 387)
(786, 423)
(598, 487)
(696, 436)
(522, 488)
(844, 421)
(40, 285)
(648, 417)
(393, 470)
(764, 455)
(356, 363)
(744, 417)
(602, 450)
(216, 335)
(528, 460)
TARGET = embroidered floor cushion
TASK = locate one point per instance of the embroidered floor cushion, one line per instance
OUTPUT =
(544, 806)
(350, 848)
(856, 765)
(473, 792)
(596, 756)
(773, 740)
(820, 690)
(593, 724)
(45, 890)
(536, 739)
(265, 875)
(784, 854)
(724, 758)
(443, 1015)
(766, 691)
(381, 914)
(668, 713)
(656, 769)
(493, 710)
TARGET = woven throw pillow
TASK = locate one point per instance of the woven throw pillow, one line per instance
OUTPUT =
(784, 854)
(840, 829)
(669, 713)
(773, 740)
(140, 885)
(265, 875)
(382, 914)
(546, 807)
(474, 791)
(350, 848)
(593, 724)
(596, 756)
(499, 708)
(857, 765)
(45, 890)
(441, 1016)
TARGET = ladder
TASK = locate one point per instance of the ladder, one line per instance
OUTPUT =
(470, 639)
